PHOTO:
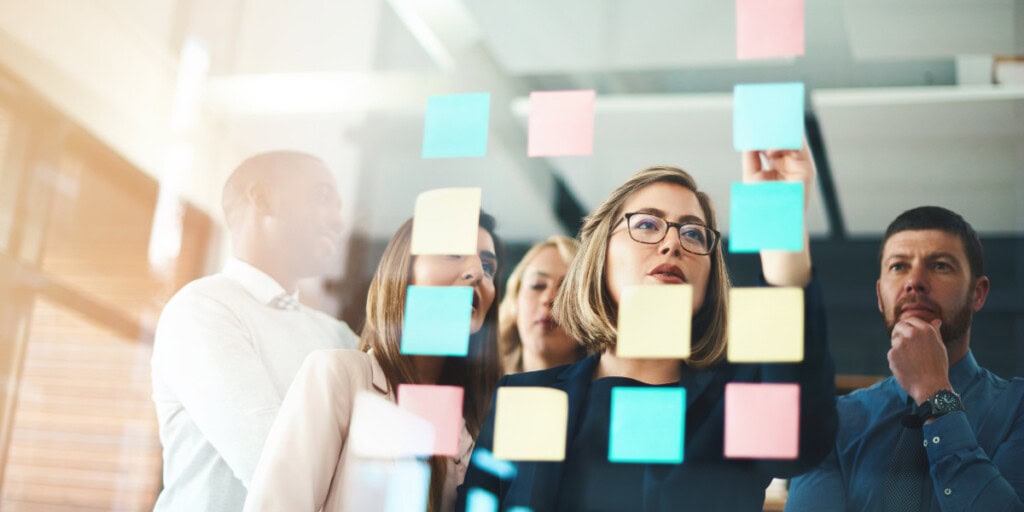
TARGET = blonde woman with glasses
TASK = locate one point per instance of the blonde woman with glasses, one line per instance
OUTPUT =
(659, 228)
(529, 338)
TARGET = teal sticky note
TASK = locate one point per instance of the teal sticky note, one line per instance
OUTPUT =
(479, 500)
(456, 125)
(647, 425)
(768, 116)
(767, 215)
(437, 320)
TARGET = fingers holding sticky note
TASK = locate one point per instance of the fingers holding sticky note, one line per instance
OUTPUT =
(654, 322)
(445, 221)
(530, 423)
(766, 325)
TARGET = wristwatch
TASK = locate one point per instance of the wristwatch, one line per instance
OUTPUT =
(943, 402)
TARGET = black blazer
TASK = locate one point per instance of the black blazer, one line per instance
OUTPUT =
(705, 480)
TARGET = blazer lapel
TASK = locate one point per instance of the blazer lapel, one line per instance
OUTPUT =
(545, 478)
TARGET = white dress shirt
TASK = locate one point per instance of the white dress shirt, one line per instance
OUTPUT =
(223, 360)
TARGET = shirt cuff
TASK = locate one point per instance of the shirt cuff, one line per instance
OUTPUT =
(947, 435)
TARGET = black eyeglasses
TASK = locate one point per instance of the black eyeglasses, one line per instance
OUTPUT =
(651, 229)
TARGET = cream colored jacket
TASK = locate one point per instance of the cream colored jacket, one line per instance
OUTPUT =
(305, 460)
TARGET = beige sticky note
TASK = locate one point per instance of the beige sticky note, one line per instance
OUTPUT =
(445, 221)
(654, 321)
(530, 423)
(766, 325)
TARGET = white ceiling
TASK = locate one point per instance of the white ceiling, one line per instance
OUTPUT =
(902, 124)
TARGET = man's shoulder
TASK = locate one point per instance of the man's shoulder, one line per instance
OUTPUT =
(216, 288)
(869, 397)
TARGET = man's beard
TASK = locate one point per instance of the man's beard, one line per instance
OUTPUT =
(952, 330)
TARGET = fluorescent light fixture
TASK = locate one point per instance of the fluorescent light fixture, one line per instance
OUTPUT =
(193, 66)
(310, 93)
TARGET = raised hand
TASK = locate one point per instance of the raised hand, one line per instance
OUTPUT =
(782, 165)
(918, 358)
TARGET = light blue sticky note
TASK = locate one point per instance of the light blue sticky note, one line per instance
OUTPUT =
(484, 459)
(437, 320)
(456, 125)
(647, 425)
(768, 116)
(479, 500)
(767, 215)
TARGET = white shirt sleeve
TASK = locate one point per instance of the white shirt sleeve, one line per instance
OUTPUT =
(206, 358)
(303, 450)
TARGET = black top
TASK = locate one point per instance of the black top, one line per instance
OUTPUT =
(706, 480)
(590, 481)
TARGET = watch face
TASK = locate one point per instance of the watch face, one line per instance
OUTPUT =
(946, 401)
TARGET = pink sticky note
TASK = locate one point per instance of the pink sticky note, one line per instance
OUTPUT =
(561, 123)
(439, 405)
(769, 28)
(762, 421)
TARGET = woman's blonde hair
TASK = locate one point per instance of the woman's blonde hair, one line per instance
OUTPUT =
(510, 345)
(584, 307)
(477, 373)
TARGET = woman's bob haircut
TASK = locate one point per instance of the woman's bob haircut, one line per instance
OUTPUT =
(587, 312)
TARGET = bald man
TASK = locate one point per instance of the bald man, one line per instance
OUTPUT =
(227, 346)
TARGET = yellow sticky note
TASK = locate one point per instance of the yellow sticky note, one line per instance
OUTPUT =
(654, 322)
(530, 423)
(766, 325)
(445, 221)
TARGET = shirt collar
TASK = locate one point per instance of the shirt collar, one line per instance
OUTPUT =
(260, 285)
(960, 375)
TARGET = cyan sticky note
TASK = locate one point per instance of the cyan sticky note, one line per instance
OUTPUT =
(768, 116)
(767, 215)
(647, 425)
(762, 421)
(484, 459)
(456, 125)
(479, 500)
(437, 320)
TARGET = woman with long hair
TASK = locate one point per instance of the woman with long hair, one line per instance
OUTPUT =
(659, 229)
(529, 338)
(306, 460)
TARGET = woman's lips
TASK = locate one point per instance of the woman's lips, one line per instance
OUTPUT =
(547, 323)
(668, 278)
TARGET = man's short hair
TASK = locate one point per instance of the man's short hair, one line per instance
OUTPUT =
(941, 219)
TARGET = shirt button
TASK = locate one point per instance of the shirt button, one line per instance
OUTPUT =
(935, 440)
(948, 491)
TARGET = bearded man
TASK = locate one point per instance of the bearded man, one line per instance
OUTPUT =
(942, 433)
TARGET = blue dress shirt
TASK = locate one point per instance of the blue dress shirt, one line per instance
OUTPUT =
(976, 457)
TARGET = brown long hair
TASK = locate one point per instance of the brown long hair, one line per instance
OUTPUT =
(477, 373)
(584, 307)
